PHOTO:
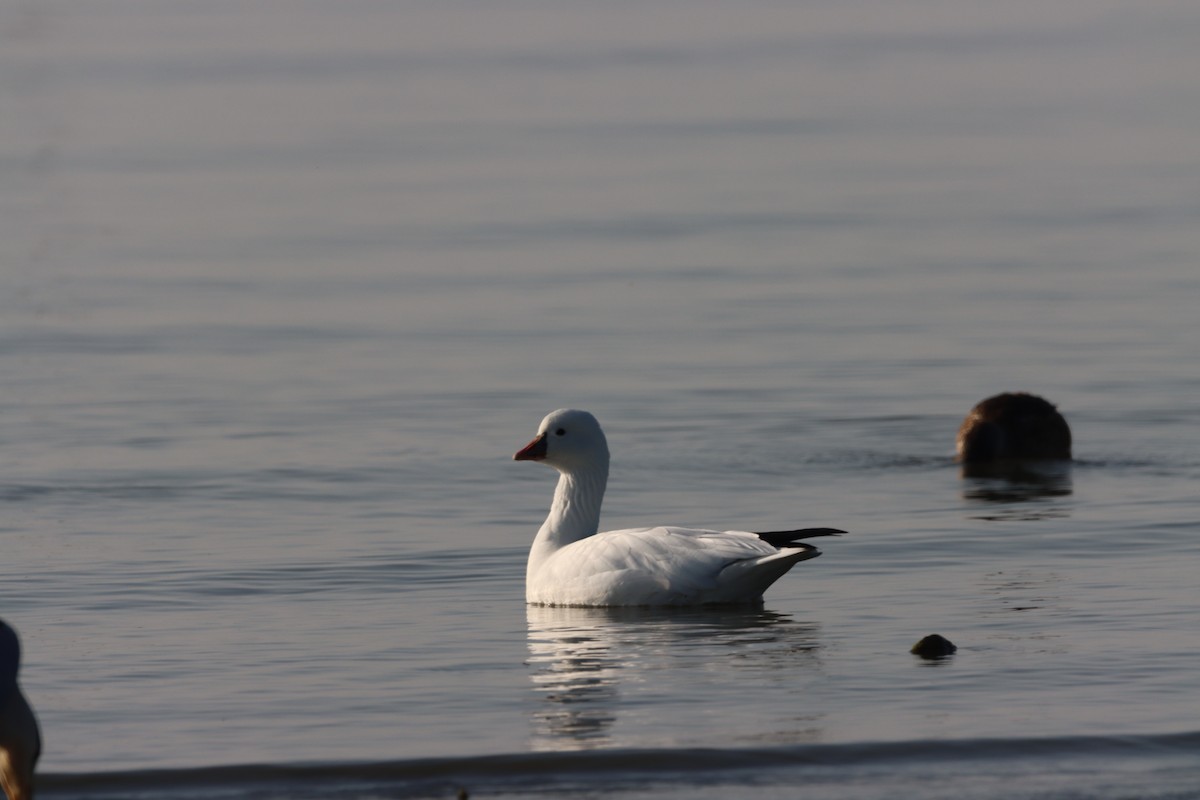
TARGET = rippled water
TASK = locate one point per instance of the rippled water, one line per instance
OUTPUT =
(282, 288)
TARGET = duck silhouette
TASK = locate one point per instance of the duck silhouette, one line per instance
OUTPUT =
(1013, 426)
(20, 739)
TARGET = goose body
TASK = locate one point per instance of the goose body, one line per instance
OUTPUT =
(20, 739)
(572, 564)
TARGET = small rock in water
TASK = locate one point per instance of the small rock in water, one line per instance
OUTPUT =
(933, 646)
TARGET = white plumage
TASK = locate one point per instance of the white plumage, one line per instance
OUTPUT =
(571, 564)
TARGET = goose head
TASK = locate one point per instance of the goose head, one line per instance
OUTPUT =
(568, 440)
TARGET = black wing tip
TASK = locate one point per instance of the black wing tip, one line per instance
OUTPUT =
(783, 538)
(801, 533)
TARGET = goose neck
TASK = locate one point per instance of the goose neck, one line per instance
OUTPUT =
(575, 510)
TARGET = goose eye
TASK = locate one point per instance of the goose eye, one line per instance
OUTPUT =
(561, 432)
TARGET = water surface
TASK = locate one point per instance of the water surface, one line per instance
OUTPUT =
(282, 288)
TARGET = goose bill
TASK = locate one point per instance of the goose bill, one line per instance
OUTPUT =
(534, 451)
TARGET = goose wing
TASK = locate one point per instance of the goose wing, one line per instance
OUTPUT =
(664, 565)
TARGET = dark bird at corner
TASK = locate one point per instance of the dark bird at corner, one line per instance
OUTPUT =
(20, 739)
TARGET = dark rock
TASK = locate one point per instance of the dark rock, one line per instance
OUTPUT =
(933, 646)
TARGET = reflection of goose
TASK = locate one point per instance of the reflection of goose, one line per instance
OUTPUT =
(1013, 426)
(575, 673)
(20, 740)
(571, 564)
(591, 667)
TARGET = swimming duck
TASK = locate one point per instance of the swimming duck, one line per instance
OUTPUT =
(1013, 425)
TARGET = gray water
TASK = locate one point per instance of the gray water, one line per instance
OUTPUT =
(284, 285)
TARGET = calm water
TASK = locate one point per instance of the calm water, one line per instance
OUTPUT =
(284, 285)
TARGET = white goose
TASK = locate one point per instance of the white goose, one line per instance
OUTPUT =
(570, 564)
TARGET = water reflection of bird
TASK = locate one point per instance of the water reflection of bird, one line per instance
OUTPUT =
(587, 665)
(20, 739)
(575, 673)
(571, 564)
(1013, 425)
